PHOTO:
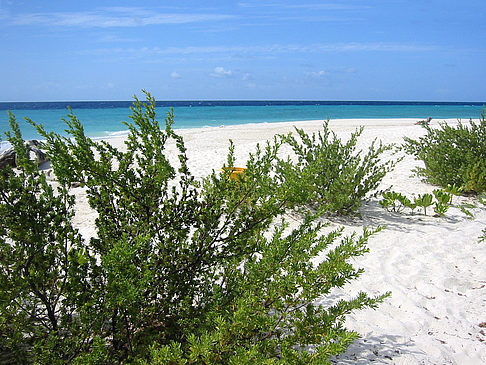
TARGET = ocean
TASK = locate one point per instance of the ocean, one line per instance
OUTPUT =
(104, 118)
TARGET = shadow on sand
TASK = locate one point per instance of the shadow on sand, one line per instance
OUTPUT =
(371, 214)
(376, 350)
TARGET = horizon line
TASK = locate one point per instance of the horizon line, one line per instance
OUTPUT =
(250, 100)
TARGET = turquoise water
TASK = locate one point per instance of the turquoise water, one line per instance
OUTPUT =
(101, 120)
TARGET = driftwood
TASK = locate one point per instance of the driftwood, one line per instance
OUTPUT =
(9, 156)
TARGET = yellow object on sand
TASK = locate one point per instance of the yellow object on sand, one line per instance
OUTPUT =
(236, 172)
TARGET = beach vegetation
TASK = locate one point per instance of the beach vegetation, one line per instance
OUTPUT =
(441, 199)
(424, 201)
(179, 271)
(453, 190)
(396, 202)
(330, 174)
(482, 201)
(452, 155)
(43, 263)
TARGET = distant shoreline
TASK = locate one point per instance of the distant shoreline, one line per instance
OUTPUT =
(103, 119)
(102, 104)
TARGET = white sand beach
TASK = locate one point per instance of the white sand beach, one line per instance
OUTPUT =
(434, 267)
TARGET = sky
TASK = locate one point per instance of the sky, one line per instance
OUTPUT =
(411, 50)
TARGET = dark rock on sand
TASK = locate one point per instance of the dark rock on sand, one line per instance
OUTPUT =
(9, 156)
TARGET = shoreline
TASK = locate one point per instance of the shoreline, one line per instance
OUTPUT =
(101, 121)
(117, 136)
(344, 122)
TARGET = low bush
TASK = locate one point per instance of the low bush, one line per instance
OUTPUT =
(329, 174)
(452, 155)
(396, 202)
(441, 200)
(178, 271)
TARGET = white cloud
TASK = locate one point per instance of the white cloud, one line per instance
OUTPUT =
(311, 48)
(113, 17)
(260, 51)
(304, 6)
(175, 75)
(317, 74)
(220, 72)
(246, 77)
(111, 38)
(307, 12)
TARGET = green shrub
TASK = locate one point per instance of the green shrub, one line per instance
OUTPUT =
(329, 174)
(452, 155)
(42, 278)
(179, 271)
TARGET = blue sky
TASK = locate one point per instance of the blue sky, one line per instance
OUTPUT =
(429, 50)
